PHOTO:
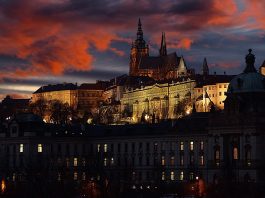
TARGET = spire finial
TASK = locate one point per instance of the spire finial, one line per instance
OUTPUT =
(163, 47)
(250, 60)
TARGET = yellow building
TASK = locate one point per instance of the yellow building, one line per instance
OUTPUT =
(65, 93)
(157, 101)
(210, 94)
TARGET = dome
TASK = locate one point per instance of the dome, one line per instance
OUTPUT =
(248, 81)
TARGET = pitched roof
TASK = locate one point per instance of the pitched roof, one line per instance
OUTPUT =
(156, 62)
(57, 87)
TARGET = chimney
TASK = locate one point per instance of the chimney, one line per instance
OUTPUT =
(215, 73)
(224, 72)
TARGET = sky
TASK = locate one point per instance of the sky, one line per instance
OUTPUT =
(80, 41)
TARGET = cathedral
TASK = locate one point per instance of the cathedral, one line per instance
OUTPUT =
(162, 67)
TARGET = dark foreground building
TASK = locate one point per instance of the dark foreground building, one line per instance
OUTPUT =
(215, 154)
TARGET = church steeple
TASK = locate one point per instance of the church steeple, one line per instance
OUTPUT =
(205, 68)
(163, 47)
(139, 31)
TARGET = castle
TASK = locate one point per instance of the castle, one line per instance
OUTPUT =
(164, 66)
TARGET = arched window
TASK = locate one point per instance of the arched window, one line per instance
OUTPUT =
(235, 153)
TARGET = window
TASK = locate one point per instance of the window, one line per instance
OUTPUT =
(147, 147)
(191, 176)
(248, 157)
(39, 148)
(172, 175)
(83, 176)
(163, 176)
(75, 176)
(163, 163)
(125, 147)
(133, 147)
(182, 146)
(105, 161)
(119, 147)
(217, 157)
(140, 161)
(21, 148)
(201, 160)
(181, 177)
(225, 86)
(84, 162)
(112, 161)
(105, 148)
(181, 159)
(59, 177)
(67, 162)
(235, 153)
(172, 160)
(75, 161)
(220, 93)
(98, 148)
(147, 161)
(191, 145)
(191, 158)
(201, 145)
(220, 86)
(155, 146)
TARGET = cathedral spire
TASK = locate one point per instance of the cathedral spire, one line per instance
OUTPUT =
(163, 47)
(139, 31)
(205, 68)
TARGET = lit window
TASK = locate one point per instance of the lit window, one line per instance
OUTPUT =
(75, 161)
(59, 177)
(98, 148)
(217, 157)
(112, 161)
(182, 146)
(105, 148)
(163, 163)
(39, 148)
(21, 148)
(163, 176)
(83, 176)
(201, 160)
(172, 160)
(181, 177)
(191, 176)
(191, 145)
(235, 153)
(201, 145)
(105, 162)
(172, 175)
(14, 177)
(75, 175)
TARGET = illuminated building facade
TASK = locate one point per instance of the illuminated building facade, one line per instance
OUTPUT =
(157, 101)
(205, 148)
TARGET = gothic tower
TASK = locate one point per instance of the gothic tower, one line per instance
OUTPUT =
(163, 47)
(139, 49)
(205, 68)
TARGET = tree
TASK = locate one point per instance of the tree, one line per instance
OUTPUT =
(182, 107)
(60, 113)
(39, 107)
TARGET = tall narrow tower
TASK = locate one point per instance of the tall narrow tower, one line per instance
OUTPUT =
(163, 47)
(205, 68)
(139, 49)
